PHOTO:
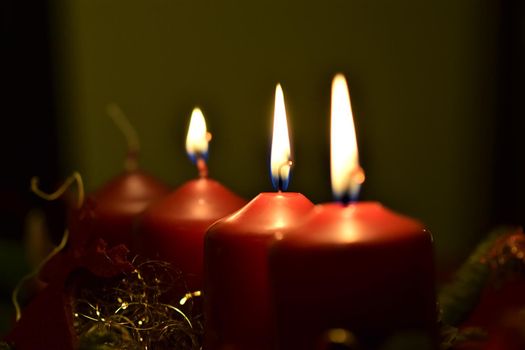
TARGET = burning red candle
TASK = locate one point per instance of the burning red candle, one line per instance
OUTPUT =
(351, 271)
(236, 295)
(112, 210)
(173, 228)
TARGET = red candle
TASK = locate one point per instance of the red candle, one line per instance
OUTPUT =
(236, 295)
(112, 210)
(116, 205)
(173, 228)
(351, 268)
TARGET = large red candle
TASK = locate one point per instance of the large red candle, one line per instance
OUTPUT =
(173, 228)
(236, 295)
(357, 268)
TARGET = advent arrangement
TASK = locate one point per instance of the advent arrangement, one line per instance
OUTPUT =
(142, 266)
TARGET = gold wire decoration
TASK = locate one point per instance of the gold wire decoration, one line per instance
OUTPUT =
(135, 311)
(75, 177)
(189, 296)
(20, 284)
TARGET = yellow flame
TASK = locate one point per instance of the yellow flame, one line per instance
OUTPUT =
(280, 155)
(197, 138)
(347, 175)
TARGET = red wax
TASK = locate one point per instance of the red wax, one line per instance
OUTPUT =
(113, 209)
(236, 295)
(359, 267)
(173, 228)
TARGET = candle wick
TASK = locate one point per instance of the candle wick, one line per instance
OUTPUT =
(202, 167)
(346, 199)
(280, 184)
(355, 179)
(282, 172)
(129, 132)
(131, 162)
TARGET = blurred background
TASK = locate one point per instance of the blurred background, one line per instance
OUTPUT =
(436, 88)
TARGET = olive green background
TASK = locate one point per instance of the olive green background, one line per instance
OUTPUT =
(420, 74)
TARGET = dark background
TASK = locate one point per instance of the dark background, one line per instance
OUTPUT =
(437, 91)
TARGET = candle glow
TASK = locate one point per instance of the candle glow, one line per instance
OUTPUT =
(346, 173)
(197, 137)
(280, 160)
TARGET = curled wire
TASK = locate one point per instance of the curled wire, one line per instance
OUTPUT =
(133, 310)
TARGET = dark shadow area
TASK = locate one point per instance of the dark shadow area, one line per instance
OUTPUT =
(29, 128)
(509, 170)
(28, 139)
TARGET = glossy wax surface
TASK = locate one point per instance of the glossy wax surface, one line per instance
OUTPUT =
(113, 209)
(173, 228)
(236, 295)
(359, 267)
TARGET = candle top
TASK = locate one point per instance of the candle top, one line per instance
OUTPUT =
(357, 223)
(201, 199)
(268, 212)
(129, 193)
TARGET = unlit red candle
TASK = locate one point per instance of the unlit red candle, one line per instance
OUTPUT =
(356, 268)
(238, 311)
(114, 208)
(111, 212)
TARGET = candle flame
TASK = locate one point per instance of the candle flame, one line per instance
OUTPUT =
(281, 156)
(197, 137)
(347, 175)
